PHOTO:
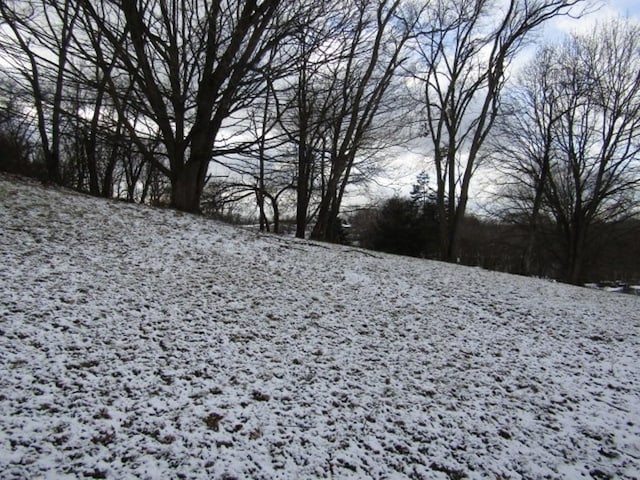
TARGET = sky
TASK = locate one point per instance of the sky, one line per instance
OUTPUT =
(603, 9)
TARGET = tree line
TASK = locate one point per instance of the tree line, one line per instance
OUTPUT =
(409, 226)
(199, 104)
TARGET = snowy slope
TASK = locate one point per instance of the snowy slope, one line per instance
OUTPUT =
(144, 343)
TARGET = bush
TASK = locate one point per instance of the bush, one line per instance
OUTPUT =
(16, 149)
(15, 158)
(401, 226)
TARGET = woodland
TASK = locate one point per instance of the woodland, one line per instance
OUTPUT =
(285, 108)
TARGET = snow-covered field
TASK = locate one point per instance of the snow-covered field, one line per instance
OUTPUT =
(145, 343)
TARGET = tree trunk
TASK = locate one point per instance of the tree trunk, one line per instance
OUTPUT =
(53, 167)
(92, 166)
(441, 204)
(527, 257)
(147, 182)
(576, 257)
(452, 241)
(302, 206)
(186, 187)
(107, 180)
(276, 212)
(264, 223)
(574, 268)
(94, 183)
(325, 228)
(276, 216)
(305, 161)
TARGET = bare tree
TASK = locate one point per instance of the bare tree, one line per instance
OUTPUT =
(523, 146)
(576, 158)
(192, 64)
(368, 52)
(16, 135)
(36, 45)
(598, 138)
(304, 102)
(102, 128)
(345, 55)
(265, 168)
(464, 51)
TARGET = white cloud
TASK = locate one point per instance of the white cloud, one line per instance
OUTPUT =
(607, 9)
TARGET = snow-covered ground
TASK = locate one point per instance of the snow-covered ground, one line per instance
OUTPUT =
(145, 343)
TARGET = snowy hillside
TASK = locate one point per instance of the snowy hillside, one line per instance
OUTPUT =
(143, 343)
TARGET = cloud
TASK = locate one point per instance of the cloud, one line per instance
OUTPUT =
(608, 9)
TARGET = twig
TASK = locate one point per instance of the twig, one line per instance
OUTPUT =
(332, 330)
(353, 250)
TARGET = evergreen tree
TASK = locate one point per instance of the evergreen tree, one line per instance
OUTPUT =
(408, 226)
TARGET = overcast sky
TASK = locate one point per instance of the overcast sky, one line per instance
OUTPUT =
(607, 9)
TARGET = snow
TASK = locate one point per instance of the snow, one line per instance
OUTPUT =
(145, 343)
(614, 289)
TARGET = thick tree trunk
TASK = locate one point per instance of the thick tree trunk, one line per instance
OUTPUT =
(576, 258)
(325, 228)
(264, 222)
(302, 206)
(526, 265)
(443, 221)
(107, 181)
(448, 234)
(147, 182)
(532, 240)
(188, 178)
(186, 187)
(452, 241)
(53, 168)
(320, 229)
(276, 212)
(303, 187)
(574, 267)
(575, 272)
